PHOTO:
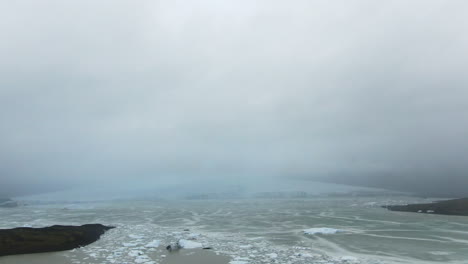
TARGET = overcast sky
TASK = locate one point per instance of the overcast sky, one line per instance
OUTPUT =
(362, 92)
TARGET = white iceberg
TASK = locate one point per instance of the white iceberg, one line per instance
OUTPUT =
(184, 243)
(321, 230)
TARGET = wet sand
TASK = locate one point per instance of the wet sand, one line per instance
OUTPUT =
(41, 258)
(194, 256)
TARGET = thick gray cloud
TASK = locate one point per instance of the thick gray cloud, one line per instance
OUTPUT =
(362, 92)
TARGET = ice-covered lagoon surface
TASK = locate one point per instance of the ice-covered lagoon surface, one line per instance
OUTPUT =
(318, 230)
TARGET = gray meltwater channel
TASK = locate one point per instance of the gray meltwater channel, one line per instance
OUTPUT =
(252, 231)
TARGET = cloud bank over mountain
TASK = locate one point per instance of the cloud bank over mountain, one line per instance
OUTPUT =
(355, 92)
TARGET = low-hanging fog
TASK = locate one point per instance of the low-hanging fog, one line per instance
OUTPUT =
(366, 93)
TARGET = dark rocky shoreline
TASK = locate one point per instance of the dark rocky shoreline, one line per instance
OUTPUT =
(26, 240)
(446, 207)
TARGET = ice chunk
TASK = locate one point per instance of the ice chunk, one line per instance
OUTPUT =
(154, 243)
(135, 236)
(129, 244)
(245, 246)
(184, 243)
(135, 253)
(272, 255)
(321, 230)
(440, 253)
(305, 255)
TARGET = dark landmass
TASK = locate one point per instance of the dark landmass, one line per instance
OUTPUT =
(8, 203)
(26, 240)
(448, 207)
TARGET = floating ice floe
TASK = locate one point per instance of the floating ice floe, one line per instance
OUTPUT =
(440, 253)
(135, 253)
(144, 259)
(125, 244)
(321, 230)
(305, 255)
(349, 259)
(184, 243)
(238, 262)
(245, 246)
(135, 236)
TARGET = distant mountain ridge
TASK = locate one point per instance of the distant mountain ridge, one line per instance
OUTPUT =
(7, 202)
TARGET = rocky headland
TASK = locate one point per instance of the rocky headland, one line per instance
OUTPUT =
(25, 240)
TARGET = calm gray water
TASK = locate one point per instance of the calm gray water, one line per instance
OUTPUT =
(258, 231)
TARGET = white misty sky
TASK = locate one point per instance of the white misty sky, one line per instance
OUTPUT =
(364, 92)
